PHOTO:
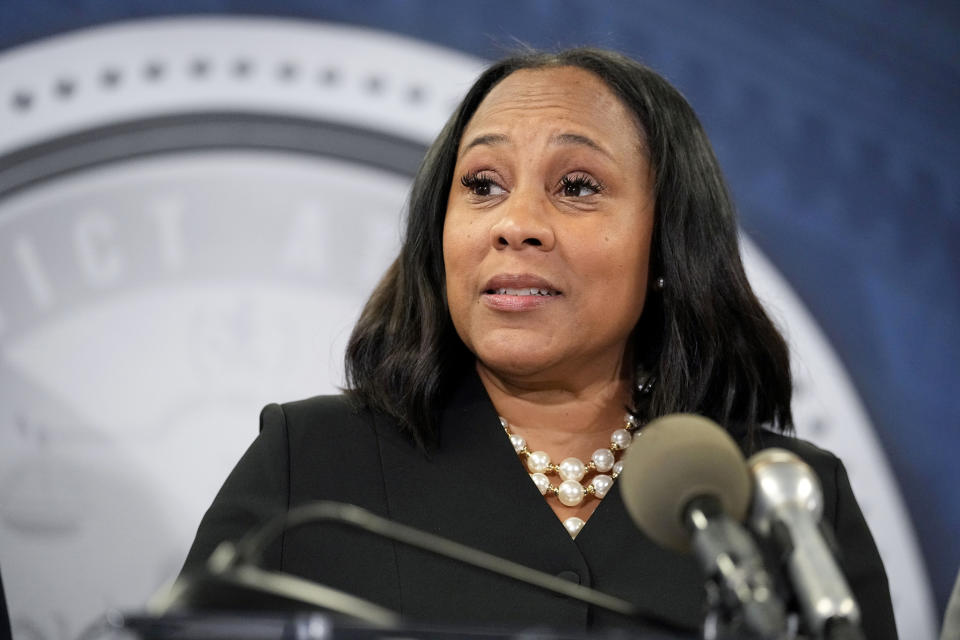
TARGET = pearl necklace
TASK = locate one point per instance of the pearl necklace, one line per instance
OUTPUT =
(572, 470)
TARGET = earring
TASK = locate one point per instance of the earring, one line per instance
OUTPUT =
(645, 382)
(658, 284)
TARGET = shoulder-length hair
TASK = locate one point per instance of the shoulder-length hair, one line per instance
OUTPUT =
(703, 343)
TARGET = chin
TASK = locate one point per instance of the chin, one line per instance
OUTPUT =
(514, 362)
(513, 352)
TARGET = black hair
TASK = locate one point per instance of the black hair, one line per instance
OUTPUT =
(703, 343)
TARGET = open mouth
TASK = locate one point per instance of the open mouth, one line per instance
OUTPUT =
(523, 292)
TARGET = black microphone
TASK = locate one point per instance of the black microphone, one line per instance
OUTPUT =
(686, 485)
(787, 508)
(233, 578)
(228, 584)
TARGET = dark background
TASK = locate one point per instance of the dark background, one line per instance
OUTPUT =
(837, 125)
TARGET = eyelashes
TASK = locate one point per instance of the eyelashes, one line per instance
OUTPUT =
(478, 183)
(572, 185)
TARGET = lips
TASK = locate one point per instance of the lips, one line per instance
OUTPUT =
(524, 292)
(519, 292)
(522, 284)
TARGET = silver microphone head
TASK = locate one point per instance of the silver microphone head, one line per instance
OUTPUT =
(782, 482)
(788, 507)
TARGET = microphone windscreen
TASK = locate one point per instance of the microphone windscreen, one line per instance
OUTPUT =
(674, 459)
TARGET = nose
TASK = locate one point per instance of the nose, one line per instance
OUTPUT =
(524, 222)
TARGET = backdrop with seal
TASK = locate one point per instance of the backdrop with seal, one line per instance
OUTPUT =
(193, 209)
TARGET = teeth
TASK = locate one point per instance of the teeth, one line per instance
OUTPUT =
(526, 292)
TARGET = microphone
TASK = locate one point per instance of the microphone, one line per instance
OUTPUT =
(227, 584)
(787, 508)
(686, 486)
(234, 579)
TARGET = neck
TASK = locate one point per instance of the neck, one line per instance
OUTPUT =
(571, 417)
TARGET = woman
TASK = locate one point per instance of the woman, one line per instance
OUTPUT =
(570, 256)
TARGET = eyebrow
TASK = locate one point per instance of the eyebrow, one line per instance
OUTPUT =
(573, 139)
(577, 139)
(489, 140)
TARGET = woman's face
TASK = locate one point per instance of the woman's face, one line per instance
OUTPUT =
(546, 240)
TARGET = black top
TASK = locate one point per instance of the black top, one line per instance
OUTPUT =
(472, 488)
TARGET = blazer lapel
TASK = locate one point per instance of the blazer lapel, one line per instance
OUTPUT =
(627, 564)
(473, 489)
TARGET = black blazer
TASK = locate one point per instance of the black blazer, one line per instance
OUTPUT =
(472, 488)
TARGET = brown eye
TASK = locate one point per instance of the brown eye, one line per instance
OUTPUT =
(481, 185)
(579, 186)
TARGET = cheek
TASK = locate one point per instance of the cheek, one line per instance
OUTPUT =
(620, 260)
(622, 251)
(460, 250)
(460, 269)
(457, 265)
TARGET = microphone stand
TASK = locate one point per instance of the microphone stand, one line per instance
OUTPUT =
(741, 596)
(250, 549)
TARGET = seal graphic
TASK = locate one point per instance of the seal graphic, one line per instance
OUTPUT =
(192, 212)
